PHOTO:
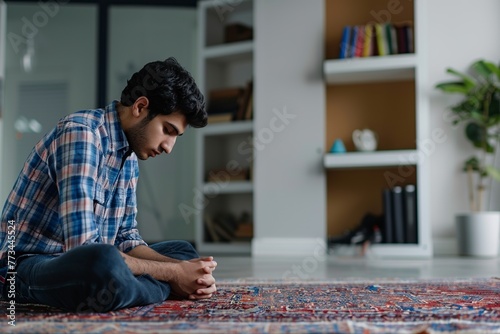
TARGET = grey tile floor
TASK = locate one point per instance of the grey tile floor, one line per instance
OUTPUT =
(330, 267)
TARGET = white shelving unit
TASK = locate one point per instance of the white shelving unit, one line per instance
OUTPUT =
(223, 147)
(384, 69)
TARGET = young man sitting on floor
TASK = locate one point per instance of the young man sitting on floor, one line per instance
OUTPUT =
(68, 233)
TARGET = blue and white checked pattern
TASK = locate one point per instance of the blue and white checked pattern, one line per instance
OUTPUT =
(71, 190)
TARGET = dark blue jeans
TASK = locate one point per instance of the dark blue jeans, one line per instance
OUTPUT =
(93, 278)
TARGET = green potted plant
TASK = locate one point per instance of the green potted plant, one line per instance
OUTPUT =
(479, 111)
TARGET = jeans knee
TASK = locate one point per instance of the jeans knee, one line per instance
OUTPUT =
(98, 263)
(186, 246)
(105, 275)
(98, 257)
(177, 249)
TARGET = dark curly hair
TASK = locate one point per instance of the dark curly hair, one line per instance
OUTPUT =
(169, 88)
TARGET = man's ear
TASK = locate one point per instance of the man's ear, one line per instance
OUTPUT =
(140, 107)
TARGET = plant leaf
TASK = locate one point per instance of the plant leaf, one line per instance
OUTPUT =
(453, 87)
(493, 172)
(475, 133)
(488, 148)
(495, 105)
(477, 116)
(483, 69)
(472, 163)
(468, 81)
(493, 68)
(486, 69)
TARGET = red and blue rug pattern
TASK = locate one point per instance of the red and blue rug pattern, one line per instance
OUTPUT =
(246, 306)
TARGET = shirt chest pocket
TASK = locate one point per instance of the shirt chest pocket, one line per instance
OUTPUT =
(101, 196)
(109, 210)
(101, 199)
(108, 203)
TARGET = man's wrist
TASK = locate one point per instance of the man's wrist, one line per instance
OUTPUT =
(147, 253)
(160, 270)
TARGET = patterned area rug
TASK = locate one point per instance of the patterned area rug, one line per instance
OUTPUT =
(246, 306)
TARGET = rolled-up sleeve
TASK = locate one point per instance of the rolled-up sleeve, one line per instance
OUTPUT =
(76, 154)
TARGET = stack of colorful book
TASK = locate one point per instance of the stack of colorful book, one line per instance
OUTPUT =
(379, 39)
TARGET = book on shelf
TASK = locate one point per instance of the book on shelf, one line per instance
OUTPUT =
(244, 232)
(379, 39)
(249, 108)
(226, 227)
(237, 32)
(368, 41)
(224, 175)
(223, 104)
(244, 229)
(210, 233)
(400, 224)
(218, 228)
(245, 103)
(401, 38)
(345, 43)
(410, 209)
(230, 104)
(386, 228)
(222, 233)
(392, 42)
(409, 38)
(220, 118)
(358, 42)
(398, 215)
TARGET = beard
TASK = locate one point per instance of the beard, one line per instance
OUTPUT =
(136, 137)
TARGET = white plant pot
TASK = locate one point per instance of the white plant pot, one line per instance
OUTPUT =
(478, 233)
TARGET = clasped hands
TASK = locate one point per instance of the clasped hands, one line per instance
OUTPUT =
(194, 279)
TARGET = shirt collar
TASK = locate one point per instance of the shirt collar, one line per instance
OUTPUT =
(118, 139)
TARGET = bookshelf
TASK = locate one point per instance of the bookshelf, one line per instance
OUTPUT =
(224, 149)
(384, 94)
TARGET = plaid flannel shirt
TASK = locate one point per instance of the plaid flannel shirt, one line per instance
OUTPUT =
(77, 187)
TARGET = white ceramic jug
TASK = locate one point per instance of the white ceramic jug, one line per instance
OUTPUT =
(364, 140)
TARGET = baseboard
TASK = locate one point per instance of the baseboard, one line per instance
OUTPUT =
(307, 246)
(288, 247)
(443, 246)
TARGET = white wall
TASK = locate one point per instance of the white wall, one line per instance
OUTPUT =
(137, 36)
(65, 47)
(290, 195)
(459, 32)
